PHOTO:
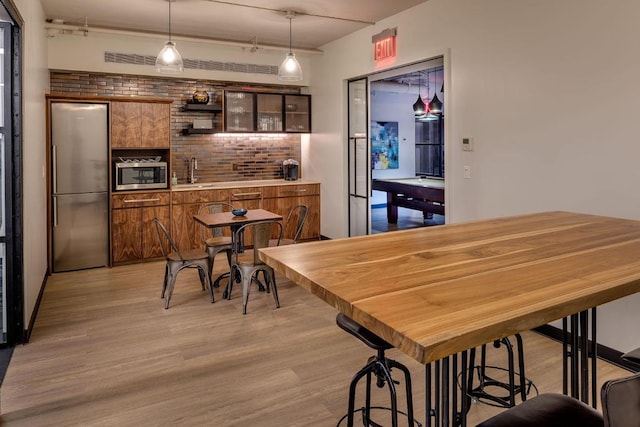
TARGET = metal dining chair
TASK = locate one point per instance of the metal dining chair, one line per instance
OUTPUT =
(179, 260)
(248, 271)
(213, 238)
(298, 216)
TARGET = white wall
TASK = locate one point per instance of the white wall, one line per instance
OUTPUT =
(34, 86)
(547, 89)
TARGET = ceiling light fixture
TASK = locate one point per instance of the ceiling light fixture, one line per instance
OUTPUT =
(419, 107)
(435, 106)
(169, 60)
(290, 69)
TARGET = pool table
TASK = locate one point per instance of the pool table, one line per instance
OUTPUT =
(423, 194)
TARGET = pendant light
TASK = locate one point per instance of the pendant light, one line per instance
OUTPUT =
(419, 107)
(435, 106)
(169, 60)
(290, 69)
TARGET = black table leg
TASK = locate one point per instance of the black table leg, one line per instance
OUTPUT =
(578, 376)
(448, 404)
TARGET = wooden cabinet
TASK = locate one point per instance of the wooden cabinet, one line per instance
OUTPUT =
(246, 197)
(184, 205)
(266, 112)
(281, 199)
(140, 124)
(133, 234)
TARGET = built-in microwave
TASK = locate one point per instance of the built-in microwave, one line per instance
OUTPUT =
(140, 174)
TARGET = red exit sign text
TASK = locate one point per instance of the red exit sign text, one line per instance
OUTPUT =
(384, 44)
(385, 48)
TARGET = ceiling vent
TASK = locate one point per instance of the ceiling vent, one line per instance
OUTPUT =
(194, 64)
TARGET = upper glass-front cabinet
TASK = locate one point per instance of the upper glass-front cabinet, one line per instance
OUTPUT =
(239, 112)
(269, 107)
(266, 112)
(297, 113)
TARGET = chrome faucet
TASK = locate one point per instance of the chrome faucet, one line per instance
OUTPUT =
(193, 167)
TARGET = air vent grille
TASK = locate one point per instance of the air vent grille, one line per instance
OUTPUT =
(195, 64)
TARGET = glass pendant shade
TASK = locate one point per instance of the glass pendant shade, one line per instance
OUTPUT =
(435, 106)
(419, 107)
(169, 60)
(290, 69)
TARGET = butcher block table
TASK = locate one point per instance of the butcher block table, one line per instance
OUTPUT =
(436, 292)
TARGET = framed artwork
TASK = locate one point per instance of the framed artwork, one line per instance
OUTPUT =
(384, 145)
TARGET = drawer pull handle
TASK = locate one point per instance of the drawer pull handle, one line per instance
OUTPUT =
(142, 200)
(302, 190)
(247, 194)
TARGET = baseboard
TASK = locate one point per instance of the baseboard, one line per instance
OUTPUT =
(605, 353)
(34, 314)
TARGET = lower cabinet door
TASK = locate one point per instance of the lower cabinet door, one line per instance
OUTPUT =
(150, 243)
(126, 226)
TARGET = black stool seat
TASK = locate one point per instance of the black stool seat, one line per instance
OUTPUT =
(378, 366)
(549, 410)
(362, 333)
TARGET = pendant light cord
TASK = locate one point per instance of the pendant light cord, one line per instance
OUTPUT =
(289, 16)
(170, 19)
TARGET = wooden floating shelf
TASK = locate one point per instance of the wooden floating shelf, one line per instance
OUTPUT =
(192, 131)
(211, 108)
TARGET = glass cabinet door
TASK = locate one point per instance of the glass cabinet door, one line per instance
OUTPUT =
(239, 112)
(269, 107)
(297, 113)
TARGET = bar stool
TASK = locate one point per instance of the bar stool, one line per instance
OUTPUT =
(522, 387)
(380, 366)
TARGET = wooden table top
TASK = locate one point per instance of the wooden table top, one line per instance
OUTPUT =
(224, 219)
(436, 291)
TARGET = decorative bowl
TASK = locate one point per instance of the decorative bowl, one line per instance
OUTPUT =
(239, 212)
(200, 97)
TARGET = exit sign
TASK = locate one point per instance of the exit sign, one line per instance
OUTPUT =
(384, 44)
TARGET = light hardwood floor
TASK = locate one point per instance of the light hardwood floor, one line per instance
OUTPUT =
(105, 352)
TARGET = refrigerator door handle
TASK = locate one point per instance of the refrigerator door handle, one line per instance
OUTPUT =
(55, 211)
(54, 158)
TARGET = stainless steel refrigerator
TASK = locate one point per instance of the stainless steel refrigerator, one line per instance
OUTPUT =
(80, 174)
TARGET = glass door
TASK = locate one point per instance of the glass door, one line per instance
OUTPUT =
(11, 279)
(358, 154)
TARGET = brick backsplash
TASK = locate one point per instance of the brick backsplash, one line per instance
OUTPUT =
(220, 157)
